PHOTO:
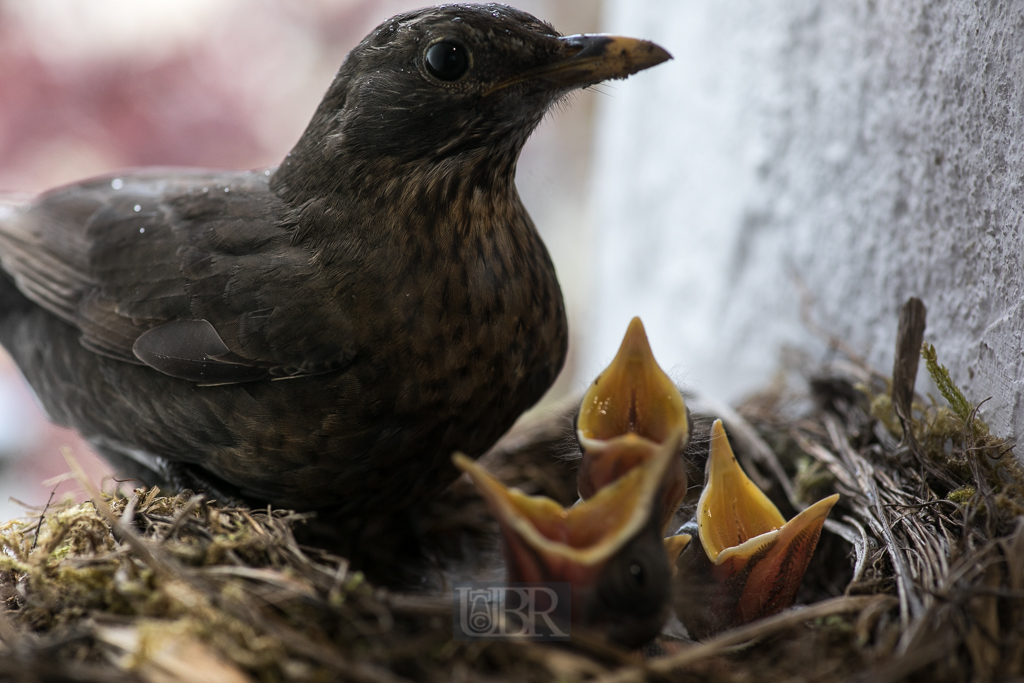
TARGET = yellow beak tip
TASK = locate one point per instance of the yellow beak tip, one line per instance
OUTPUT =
(635, 343)
(462, 461)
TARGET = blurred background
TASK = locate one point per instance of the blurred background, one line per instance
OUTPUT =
(797, 171)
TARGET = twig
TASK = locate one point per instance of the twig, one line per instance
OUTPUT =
(182, 515)
(898, 668)
(760, 629)
(909, 338)
(42, 516)
(909, 602)
(861, 550)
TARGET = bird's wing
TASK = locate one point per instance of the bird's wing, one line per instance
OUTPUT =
(194, 277)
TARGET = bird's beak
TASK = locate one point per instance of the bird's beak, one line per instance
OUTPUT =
(630, 412)
(544, 542)
(674, 546)
(759, 556)
(733, 515)
(632, 395)
(586, 59)
(607, 461)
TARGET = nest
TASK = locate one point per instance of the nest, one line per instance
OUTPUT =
(919, 576)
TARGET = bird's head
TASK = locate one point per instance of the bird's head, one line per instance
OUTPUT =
(608, 548)
(633, 395)
(630, 411)
(750, 561)
(455, 84)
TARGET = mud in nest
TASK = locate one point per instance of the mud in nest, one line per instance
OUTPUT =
(919, 576)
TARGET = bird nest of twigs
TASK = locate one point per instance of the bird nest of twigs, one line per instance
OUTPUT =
(919, 576)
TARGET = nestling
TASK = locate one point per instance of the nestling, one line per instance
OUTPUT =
(609, 548)
(750, 561)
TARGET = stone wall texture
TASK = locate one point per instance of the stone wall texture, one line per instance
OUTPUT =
(858, 151)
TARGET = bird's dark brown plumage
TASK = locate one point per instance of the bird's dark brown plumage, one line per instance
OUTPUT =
(321, 335)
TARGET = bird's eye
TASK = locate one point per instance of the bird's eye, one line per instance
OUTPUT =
(636, 570)
(447, 61)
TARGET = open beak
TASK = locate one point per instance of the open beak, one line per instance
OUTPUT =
(608, 548)
(755, 559)
(589, 58)
(632, 410)
(633, 394)
(674, 547)
(605, 462)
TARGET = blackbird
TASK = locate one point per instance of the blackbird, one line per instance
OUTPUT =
(320, 335)
(608, 548)
(629, 411)
(750, 561)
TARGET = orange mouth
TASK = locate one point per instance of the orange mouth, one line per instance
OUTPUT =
(631, 411)
(757, 558)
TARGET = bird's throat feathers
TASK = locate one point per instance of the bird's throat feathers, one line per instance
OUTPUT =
(445, 201)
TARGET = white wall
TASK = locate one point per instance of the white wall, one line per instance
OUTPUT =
(873, 149)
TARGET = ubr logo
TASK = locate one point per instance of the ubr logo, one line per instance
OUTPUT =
(532, 611)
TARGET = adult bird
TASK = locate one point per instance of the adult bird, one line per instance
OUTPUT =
(320, 335)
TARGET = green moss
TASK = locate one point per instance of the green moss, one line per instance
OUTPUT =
(962, 495)
(942, 436)
(812, 481)
(883, 411)
(949, 390)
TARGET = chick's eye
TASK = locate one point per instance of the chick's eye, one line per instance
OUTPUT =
(637, 573)
(447, 61)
